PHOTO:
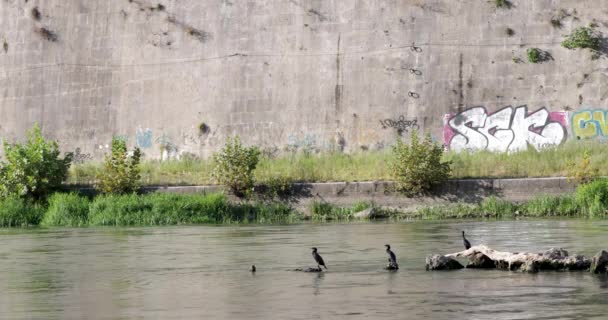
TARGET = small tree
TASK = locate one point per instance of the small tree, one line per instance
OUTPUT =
(33, 170)
(234, 166)
(417, 167)
(121, 172)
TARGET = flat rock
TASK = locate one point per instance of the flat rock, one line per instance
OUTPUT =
(391, 266)
(308, 269)
(439, 262)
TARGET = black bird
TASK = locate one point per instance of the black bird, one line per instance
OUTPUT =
(392, 259)
(318, 259)
(467, 244)
(252, 268)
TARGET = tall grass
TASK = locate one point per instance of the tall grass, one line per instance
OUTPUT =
(366, 166)
(324, 211)
(67, 209)
(19, 212)
(177, 209)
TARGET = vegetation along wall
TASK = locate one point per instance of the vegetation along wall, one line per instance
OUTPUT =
(176, 77)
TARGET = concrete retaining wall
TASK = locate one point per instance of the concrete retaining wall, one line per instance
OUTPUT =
(177, 77)
(347, 193)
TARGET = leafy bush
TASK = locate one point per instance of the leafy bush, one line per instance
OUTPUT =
(534, 55)
(417, 167)
(33, 170)
(582, 172)
(592, 198)
(67, 209)
(582, 37)
(19, 212)
(279, 187)
(121, 172)
(234, 166)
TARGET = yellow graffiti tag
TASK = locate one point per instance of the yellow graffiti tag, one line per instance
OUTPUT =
(590, 124)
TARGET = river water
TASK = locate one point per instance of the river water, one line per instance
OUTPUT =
(201, 272)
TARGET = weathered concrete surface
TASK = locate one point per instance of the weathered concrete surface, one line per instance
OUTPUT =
(348, 193)
(178, 77)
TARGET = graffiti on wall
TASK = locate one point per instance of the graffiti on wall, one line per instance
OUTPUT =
(587, 124)
(143, 138)
(79, 157)
(506, 130)
(400, 124)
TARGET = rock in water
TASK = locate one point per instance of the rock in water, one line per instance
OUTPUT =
(309, 269)
(480, 261)
(391, 266)
(368, 213)
(599, 262)
(555, 253)
(439, 262)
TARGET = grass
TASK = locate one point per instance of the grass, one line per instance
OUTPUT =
(367, 166)
(325, 211)
(589, 201)
(17, 212)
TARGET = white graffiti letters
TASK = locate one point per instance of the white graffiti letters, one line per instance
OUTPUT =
(504, 130)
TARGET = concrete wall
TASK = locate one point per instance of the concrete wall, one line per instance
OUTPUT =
(295, 74)
(349, 193)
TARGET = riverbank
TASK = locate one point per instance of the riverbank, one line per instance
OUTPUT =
(366, 166)
(166, 208)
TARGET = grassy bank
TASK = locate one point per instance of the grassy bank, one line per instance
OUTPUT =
(367, 166)
(156, 209)
(589, 201)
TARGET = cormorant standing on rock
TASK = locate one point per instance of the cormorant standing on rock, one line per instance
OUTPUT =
(318, 259)
(467, 244)
(392, 259)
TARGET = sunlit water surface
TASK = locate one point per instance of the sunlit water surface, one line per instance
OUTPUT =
(202, 272)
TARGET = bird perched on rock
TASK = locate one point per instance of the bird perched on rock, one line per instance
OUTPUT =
(392, 259)
(466, 242)
(318, 259)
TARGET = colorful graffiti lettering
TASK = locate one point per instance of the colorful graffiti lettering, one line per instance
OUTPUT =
(509, 129)
(143, 138)
(588, 124)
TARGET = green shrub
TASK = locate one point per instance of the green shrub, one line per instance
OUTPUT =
(234, 166)
(582, 171)
(67, 209)
(592, 198)
(19, 212)
(121, 172)
(534, 55)
(33, 170)
(417, 167)
(582, 37)
(279, 187)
